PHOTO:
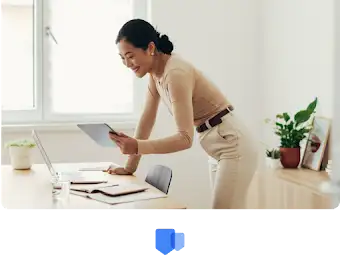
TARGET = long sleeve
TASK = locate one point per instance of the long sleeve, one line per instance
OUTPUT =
(180, 87)
(146, 123)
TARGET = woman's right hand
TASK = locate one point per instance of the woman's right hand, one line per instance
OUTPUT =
(119, 171)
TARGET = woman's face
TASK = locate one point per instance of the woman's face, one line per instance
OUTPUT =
(138, 60)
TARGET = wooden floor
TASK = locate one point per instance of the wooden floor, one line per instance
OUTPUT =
(288, 189)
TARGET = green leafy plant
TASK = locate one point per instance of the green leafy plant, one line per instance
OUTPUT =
(292, 130)
(273, 153)
(21, 143)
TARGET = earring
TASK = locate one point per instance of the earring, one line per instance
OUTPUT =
(152, 54)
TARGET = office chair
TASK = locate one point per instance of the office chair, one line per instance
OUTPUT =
(160, 177)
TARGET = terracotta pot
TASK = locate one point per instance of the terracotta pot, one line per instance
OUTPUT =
(290, 157)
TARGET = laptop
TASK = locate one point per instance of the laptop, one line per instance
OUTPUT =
(75, 177)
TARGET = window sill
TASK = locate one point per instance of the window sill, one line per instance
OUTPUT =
(65, 127)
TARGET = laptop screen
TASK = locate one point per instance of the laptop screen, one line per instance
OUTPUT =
(43, 152)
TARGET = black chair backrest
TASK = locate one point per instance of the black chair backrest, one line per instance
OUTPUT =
(160, 177)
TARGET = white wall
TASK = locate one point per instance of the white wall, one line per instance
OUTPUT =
(267, 57)
(222, 38)
(298, 49)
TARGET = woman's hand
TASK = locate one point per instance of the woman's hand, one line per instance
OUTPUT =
(127, 145)
(119, 171)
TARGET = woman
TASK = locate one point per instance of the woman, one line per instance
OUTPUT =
(193, 101)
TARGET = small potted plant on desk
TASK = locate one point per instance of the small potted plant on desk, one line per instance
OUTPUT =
(291, 132)
(273, 158)
(20, 153)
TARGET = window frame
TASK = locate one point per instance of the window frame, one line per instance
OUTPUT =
(42, 114)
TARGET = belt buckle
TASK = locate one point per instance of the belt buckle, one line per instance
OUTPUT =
(207, 123)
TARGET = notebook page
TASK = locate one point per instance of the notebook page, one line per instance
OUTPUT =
(90, 187)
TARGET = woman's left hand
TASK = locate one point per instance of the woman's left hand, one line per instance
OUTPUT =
(127, 145)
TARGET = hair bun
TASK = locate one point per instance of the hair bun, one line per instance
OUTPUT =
(164, 37)
(165, 45)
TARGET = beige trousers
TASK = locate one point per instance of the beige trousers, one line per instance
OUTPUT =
(231, 145)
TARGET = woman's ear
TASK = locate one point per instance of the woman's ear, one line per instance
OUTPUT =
(151, 49)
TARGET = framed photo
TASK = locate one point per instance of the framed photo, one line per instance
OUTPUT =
(316, 143)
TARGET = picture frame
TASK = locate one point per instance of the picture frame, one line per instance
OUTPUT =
(316, 144)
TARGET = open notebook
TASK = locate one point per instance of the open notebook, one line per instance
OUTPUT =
(114, 194)
(111, 190)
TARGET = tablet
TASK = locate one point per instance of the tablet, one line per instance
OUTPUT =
(99, 132)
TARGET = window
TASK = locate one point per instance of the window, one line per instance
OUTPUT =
(60, 62)
(17, 58)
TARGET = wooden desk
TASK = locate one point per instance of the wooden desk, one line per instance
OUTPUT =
(288, 189)
(31, 189)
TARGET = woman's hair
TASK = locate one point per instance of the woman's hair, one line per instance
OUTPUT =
(140, 33)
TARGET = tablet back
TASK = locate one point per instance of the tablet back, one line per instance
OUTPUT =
(99, 132)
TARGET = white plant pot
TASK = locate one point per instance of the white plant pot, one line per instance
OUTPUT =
(273, 163)
(20, 157)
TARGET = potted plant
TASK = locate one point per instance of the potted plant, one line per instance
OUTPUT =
(20, 153)
(292, 130)
(273, 158)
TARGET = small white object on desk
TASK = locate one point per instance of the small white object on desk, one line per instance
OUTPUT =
(93, 169)
(329, 167)
(97, 168)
